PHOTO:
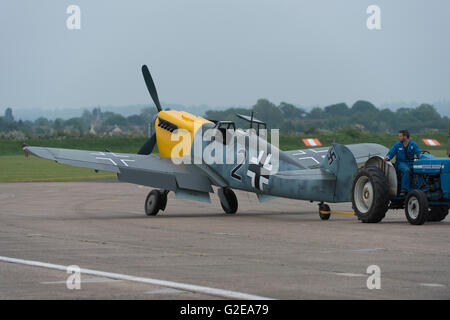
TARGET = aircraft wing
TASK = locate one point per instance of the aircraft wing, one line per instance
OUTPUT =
(311, 158)
(148, 170)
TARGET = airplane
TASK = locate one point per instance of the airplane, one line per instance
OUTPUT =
(317, 174)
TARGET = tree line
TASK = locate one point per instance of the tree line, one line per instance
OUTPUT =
(362, 115)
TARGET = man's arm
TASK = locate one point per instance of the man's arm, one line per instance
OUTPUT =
(417, 151)
(392, 152)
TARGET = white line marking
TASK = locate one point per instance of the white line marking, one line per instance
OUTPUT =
(164, 283)
(434, 285)
(300, 152)
(85, 280)
(124, 161)
(306, 158)
(318, 151)
(367, 249)
(165, 291)
(119, 155)
(349, 274)
(107, 159)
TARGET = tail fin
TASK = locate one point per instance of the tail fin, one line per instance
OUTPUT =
(340, 162)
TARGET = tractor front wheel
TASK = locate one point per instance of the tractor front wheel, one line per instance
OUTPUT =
(416, 207)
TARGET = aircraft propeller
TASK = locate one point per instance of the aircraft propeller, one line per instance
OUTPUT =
(148, 146)
(151, 86)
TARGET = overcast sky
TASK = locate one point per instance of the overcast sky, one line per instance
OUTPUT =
(223, 52)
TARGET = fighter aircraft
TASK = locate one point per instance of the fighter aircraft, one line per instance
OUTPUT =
(321, 174)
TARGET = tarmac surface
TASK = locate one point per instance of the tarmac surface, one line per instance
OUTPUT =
(278, 249)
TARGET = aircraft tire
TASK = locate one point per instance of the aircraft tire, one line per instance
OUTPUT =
(437, 214)
(370, 194)
(153, 202)
(232, 201)
(324, 207)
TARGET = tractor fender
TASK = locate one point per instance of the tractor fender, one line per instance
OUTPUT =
(388, 169)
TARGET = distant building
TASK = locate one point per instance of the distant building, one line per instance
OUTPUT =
(116, 130)
(92, 130)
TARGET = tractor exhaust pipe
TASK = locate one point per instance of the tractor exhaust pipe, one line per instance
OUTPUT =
(448, 140)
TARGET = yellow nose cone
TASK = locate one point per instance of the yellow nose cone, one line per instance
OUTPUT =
(175, 132)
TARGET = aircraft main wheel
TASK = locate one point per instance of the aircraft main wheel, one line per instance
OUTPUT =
(416, 207)
(437, 214)
(370, 194)
(232, 204)
(324, 207)
(153, 202)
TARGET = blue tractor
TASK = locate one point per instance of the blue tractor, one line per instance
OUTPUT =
(376, 188)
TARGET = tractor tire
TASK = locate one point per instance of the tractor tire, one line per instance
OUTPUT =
(437, 214)
(416, 207)
(370, 194)
(324, 207)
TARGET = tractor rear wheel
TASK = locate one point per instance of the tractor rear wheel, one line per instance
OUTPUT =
(370, 194)
(437, 214)
(416, 207)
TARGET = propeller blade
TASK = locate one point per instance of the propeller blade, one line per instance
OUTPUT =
(151, 86)
(148, 146)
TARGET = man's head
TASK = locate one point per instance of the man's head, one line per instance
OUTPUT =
(403, 135)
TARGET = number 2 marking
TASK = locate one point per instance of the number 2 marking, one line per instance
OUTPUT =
(233, 172)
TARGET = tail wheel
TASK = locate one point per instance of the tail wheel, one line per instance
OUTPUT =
(155, 201)
(416, 207)
(370, 194)
(324, 207)
(232, 205)
(437, 214)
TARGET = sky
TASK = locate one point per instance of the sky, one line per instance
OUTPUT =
(223, 52)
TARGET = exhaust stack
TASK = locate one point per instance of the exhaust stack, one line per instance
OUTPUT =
(448, 141)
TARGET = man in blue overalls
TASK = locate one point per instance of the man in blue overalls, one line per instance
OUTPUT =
(404, 151)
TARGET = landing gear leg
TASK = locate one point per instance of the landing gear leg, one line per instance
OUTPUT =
(324, 207)
(228, 200)
(156, 200)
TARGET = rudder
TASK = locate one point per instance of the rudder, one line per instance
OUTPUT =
(340, 162)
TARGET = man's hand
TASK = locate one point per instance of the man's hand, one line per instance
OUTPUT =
(386, 159)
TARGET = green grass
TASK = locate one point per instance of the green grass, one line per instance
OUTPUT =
(115, 144)
(346, 136)
(15, 167)
(18, 169)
